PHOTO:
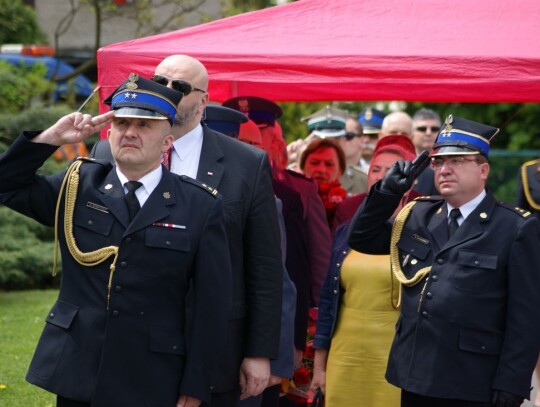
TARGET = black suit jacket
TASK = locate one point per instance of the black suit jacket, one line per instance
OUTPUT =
(242, 175)
(132, 351)
(473, 326)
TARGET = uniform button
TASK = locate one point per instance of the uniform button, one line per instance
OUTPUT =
(115, 313)
(476, 263)
(412, 250)
(335, 278)
(168, 242)
(51, 314)
(117, 288)
(338, 264)
(425, 314)
(335, 291)
(212, 387)
(90, 222)
(429, 295)
(123, 264)
(434, 277)
(440, 261)
(174, 347)
(142, 313)
(483, 348)
(344, 252)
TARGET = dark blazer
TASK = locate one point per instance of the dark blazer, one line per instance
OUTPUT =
(131, 349)
(297, 259)
(242, 175)
(474, 325)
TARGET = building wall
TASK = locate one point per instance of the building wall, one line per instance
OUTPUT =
(81, 34)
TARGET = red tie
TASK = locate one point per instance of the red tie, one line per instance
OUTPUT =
(166, 158)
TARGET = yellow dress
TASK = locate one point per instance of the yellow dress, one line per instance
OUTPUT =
(364, 332)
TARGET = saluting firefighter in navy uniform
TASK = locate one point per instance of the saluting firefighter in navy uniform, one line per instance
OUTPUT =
(116, 335)
(468, 332)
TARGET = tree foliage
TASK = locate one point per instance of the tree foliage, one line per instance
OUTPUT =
(19, 24)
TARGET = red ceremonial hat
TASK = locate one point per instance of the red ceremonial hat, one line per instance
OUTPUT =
(397, 143)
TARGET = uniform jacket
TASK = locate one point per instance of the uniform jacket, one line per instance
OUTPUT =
(354, 180)
(533, 180)
(242, 175)
(476, 326)
(130, 350)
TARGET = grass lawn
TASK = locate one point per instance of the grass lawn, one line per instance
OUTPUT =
(21, 322)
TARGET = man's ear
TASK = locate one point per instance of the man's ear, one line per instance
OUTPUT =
(108, 132)
(167, 143)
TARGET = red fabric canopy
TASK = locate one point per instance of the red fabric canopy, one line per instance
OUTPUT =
(321, 50)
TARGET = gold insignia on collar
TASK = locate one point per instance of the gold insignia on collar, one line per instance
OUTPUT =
(483, 215)
(439, 211)
(167, 195)
(133, 77)
(210, 173)
(108, 186)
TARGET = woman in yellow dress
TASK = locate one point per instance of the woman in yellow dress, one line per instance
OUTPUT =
(358, 311)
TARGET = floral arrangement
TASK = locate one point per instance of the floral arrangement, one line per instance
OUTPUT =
(331, 194)
(297, 388)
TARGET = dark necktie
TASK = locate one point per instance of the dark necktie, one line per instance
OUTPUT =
(131, 199)
(167, 156)
(453, 224)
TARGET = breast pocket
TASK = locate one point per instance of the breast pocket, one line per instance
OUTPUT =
(92, 228)
(474, 271)
(414, 251)
(169, 253)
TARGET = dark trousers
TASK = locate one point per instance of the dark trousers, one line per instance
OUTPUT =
(63, 402)
(415, 400)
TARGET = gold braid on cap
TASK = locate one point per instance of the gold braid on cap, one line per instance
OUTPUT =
(397, 228)
(525, 181)
(70, 184)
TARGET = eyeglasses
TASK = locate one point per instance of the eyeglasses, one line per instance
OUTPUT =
(453, 162)
(350, 135)
(177, 84)
(433, 129)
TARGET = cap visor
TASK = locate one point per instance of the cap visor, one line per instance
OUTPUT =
(329, 133)
(137, 113)
(453, 150)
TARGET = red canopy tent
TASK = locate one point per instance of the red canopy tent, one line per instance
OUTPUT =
(321, 50)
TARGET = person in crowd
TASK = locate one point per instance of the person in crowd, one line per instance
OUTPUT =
(371, 120)
(387, 151)
(134, 238)
(528, 198)
(265, 114)
(396, 123)
(469, 328)
(335, 124)
(356, 320)
(243, 177)
(324, 162)
(426, 124)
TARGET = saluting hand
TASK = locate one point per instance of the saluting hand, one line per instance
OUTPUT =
(400, 177)
(73, 128)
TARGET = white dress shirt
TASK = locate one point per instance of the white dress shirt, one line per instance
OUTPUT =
(187, 153)
(149, 183)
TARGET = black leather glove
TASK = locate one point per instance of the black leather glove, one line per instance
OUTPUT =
(504, 399)
(400, 177)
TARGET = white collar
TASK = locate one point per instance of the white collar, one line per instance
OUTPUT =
(470, 206)
(184, 145)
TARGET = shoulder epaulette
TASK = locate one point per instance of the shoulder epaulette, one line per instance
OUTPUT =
(429, 198)
(524, 213)
(207, 188)
(92, 160)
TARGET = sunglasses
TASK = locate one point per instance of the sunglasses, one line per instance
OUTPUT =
(433, 129)
(177, 84)
(350, 135)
